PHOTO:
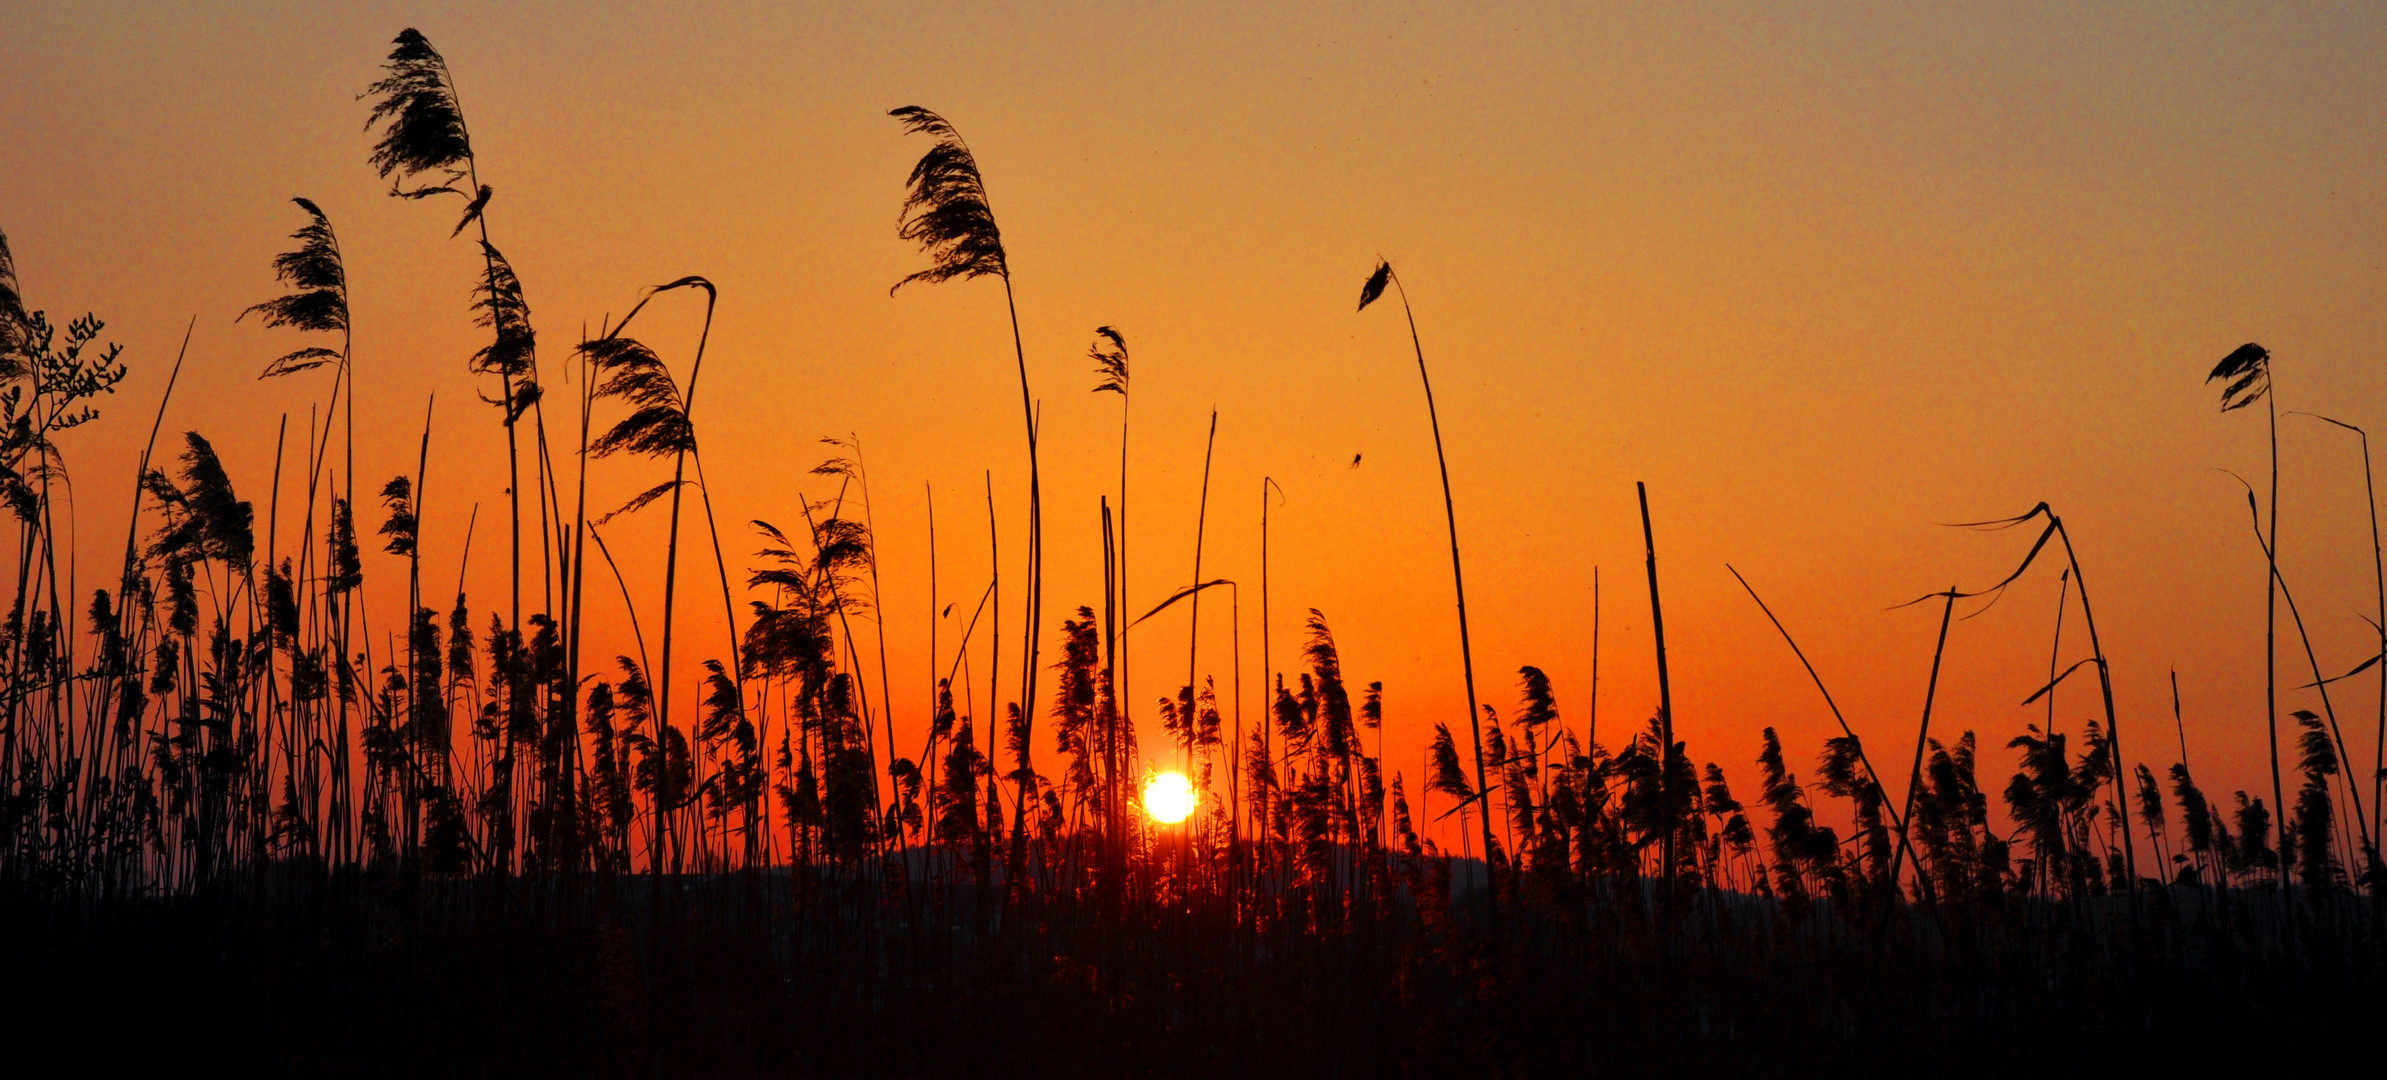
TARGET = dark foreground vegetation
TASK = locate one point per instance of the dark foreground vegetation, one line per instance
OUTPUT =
(367, 977)
(245, 827)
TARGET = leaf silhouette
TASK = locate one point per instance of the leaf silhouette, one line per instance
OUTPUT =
(297, 360)
(2058, 680)
(1180, 595)
(1998, 590)
(2358, 669)
(640, 501)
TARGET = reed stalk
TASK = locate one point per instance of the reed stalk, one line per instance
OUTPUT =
(2378, 554)
(1368, 293)
(1193, 626)
(1657, 622)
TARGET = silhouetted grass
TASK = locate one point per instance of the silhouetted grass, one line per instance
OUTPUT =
(235, 837)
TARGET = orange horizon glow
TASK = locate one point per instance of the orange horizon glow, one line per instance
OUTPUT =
(1824, 279)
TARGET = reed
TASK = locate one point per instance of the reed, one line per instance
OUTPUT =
(1369, 292)
(337, 851)
(2378, 771)
(947, 213)
(1657, 624)
(1111, 363)
(2245, 375)
(1193, 625)
(2321, 683)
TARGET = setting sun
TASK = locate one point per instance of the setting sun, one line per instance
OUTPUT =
(1169, 798)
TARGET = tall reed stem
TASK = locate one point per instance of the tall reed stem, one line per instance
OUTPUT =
(1914, 776)
(1657, 621)
(2378, 764)
(1193, 627)
(1458, 579)
(2279, 803)
(2113, 721)
(1591, 726)
(1897, 820)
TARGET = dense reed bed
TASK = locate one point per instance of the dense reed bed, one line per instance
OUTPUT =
(242, 824)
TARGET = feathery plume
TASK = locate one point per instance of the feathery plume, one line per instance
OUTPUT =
(1109, 353)
(947, 212)
(2248, 371)
(414, 103)
(16, 326)
(318, 298)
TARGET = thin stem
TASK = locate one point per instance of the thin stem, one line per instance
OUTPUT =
(1657, 619)
(1194, 626)
(2271, 674)
(1897, 819)
(2113, 721)
(1458, 578)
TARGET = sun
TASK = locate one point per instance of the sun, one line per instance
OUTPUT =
(1169, 798)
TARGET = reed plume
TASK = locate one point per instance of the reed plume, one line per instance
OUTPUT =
(318, 298)
(1109, 353)
(425, 151)
(177, 759)
(2197, 819)
(2374, 872)
(2317, 759)
(947, 214)
(2245, 375)
(2113, 767)
(16, 324)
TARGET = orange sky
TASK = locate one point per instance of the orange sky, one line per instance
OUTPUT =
(1821, 277)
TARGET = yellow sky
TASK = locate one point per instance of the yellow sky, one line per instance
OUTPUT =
(1822, 277)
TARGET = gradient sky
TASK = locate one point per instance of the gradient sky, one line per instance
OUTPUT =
(1823, 277)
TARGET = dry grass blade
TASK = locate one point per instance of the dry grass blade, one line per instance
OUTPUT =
(472, 211)
(2058, 680)
(2357, 669)
(1179, 595)
(1820, 688)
